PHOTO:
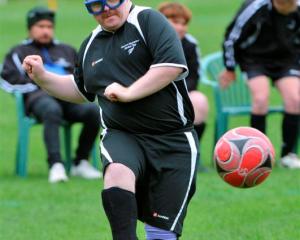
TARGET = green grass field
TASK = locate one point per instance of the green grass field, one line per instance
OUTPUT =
(33, 209)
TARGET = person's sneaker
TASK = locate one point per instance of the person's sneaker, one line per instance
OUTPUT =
(57, 173)
(290, 161)
(85, 170)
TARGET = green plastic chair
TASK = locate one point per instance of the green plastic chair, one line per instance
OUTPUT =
(25, 123)
(232, 101)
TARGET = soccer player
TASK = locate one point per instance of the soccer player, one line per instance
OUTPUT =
(59, 58)
(134, 64)
(263, 39)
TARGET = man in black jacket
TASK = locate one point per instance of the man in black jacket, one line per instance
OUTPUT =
(263, 39)
(59, 58)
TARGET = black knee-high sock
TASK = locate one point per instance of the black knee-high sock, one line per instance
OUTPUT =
(290, 130)
(258, 122)
(121, 210)
(200, 129)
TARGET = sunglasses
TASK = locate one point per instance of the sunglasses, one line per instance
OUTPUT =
(96, 7)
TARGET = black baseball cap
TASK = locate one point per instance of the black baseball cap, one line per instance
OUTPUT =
(39, 13)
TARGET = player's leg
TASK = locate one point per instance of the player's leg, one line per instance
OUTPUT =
(121, 158)
(171, 181)
(289, 88)
(200, 105)
(118, 199)
(260, 91)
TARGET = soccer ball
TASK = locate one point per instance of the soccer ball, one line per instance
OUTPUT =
(244, 157)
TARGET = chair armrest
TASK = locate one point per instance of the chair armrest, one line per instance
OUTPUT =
(205, 76)
(206, 81)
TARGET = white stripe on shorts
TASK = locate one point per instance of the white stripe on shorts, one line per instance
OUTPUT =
(194, 153)
(103, 149)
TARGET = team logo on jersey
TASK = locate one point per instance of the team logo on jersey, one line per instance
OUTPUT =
(97, 61)
(129, 47)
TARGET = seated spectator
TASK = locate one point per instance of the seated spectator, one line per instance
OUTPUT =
(179, 16)
(51, 112)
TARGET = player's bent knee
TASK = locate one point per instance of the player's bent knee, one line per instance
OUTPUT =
(198, 98)
(154, 233)
(260, 106)
(118, 175)
(293, 106)
(200, 105)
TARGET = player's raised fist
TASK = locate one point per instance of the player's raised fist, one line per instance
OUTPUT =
(33, 65)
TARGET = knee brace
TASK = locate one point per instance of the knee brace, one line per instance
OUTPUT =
(154, 233)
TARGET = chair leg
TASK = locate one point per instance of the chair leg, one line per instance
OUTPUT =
(222, 123)
(68, 146)
(297, 146)
(216, 132)
(22, 150)
(18, 155)
(225, 123)
(221, 126)
(95, 161)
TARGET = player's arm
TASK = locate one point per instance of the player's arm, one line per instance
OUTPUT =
(236, 34)
(226, 77)
(168, 60)
(229, 45)
(153, 81)
(59, 86)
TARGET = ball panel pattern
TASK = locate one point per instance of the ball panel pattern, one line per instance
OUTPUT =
(235, 178)
(227, 155)
(244, 157)
(257, 176)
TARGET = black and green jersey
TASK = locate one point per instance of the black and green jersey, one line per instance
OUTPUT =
(145, 41)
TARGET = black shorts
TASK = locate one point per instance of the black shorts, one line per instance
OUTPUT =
(271, 71)
(165, 167)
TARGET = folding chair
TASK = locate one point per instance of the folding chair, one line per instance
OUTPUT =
(232, 101)
(25, 123)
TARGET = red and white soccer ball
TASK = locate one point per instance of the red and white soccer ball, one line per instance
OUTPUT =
(244, 157)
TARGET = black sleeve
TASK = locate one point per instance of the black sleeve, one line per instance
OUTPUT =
(161, 39)
(12, 70)
(191, 53)
(239, 29)
(78, 73)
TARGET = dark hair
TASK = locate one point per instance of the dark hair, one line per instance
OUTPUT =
(39, 13)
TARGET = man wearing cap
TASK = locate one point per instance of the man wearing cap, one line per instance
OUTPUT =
(59, 58)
